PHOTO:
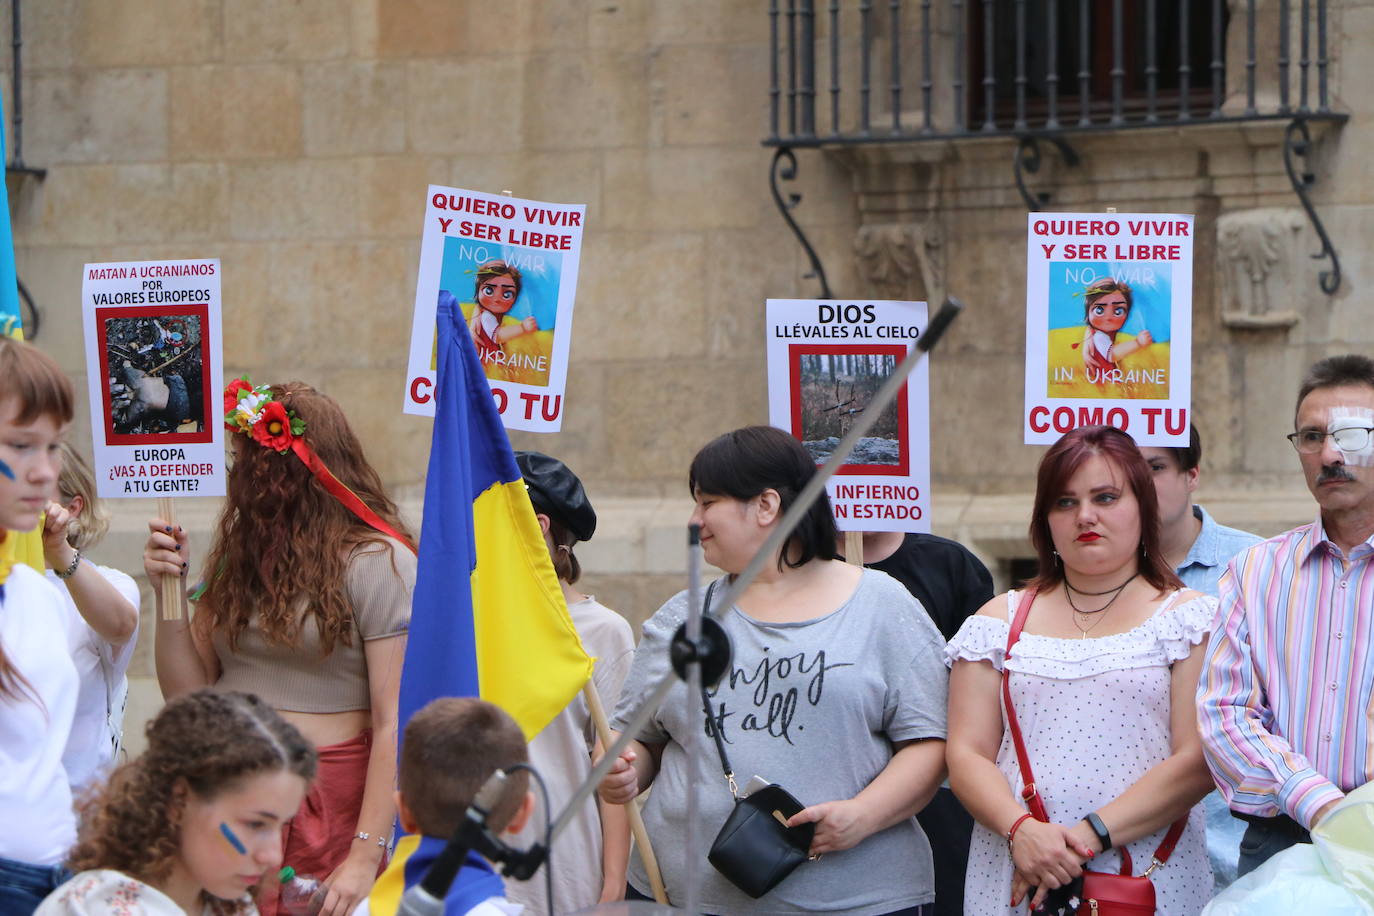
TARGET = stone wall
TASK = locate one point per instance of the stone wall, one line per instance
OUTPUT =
(294, 139)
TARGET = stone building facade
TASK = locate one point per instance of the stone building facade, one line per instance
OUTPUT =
(294, 140)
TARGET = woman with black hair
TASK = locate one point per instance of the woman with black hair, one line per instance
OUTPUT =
(836, 692)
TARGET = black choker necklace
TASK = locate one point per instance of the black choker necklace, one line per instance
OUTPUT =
(1099, 594)
(1114, 592)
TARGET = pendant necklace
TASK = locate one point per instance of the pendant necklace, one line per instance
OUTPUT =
(1096, 614)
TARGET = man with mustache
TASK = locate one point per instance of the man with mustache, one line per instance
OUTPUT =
(1286, 701)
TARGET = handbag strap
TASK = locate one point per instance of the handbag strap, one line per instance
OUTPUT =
(1029, 793)
(711, 724)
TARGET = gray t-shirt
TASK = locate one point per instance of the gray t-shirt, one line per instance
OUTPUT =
(814, 707)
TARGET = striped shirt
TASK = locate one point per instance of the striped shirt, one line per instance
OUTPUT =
(1286, 698)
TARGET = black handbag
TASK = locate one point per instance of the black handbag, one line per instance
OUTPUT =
(755, 849)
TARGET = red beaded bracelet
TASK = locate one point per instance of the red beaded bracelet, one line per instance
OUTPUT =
(1011, 834)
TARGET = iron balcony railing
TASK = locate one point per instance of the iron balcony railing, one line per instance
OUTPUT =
(865, 71)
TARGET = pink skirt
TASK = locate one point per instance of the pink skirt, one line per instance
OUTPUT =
(318, 838)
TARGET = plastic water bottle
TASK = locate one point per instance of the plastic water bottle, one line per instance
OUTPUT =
(300, 894)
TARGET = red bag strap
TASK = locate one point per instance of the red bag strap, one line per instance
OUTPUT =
(1029, 793)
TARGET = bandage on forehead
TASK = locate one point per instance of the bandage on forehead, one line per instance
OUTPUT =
(1349, 426)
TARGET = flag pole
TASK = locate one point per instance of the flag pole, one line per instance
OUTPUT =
(641, 835)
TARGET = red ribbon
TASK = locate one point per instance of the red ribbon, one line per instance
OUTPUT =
(343, 494)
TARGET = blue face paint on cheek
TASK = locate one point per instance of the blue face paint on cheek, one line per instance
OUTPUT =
(5, 469)
(233, 840)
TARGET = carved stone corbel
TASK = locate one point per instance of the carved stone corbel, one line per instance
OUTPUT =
(1259, 261)
(902, 260)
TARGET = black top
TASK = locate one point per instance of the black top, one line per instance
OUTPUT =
(949, 581)
(951, 584)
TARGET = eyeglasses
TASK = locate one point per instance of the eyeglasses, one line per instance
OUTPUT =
(1350, 439)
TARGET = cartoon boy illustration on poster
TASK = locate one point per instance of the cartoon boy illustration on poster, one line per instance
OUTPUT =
(1109, 331)
(513, 309)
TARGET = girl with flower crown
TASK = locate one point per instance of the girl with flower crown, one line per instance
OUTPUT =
(306, 603)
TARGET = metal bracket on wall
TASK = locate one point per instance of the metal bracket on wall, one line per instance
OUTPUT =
(1026, 158)
(1297, 144)
(784, 168)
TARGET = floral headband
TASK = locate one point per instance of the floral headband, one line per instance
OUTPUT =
(255, 412)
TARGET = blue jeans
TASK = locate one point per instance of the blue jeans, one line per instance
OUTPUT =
(1224, 834)
(23, 886)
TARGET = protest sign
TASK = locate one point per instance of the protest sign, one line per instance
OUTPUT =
(826, 360)
(1109, 301)
(153, 339)
(511, 266)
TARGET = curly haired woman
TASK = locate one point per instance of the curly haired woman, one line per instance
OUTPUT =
(195, 822)
(306, 603)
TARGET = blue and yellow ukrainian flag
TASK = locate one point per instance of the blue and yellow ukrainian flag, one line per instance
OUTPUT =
(26, 548)
(488, 617)
(11, 322)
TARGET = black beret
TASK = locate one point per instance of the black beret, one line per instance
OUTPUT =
(556, 492)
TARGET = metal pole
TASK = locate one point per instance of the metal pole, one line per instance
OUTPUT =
(1322, 101)
(927, 78)
(989, 66)
(1151, 64)
(1218, 61)
(1052, 71)
(808, 68)
(1284, 59)
(1250, 62)
(865, 64)
(957, 84)
(774, 92)
(1021, 64)
(835, 67)
(692, 747)
(1084, 67)
(1305, 61)
(895, 24)
(1185, 69)
(1118, 62)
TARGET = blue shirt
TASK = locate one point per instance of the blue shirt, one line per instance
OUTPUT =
(1211, 551)
(1213, 548)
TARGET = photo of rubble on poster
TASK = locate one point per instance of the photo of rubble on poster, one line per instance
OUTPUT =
(826, 362)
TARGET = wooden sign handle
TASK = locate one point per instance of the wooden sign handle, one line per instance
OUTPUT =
(641, 835)
(173, 587)
(854, 548)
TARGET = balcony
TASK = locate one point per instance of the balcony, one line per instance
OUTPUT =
(885, 84)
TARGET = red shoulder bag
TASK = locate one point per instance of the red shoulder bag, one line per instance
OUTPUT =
(1104, 894)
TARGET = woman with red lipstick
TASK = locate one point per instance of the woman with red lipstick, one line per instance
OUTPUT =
(193, 823)
(1101, 679)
